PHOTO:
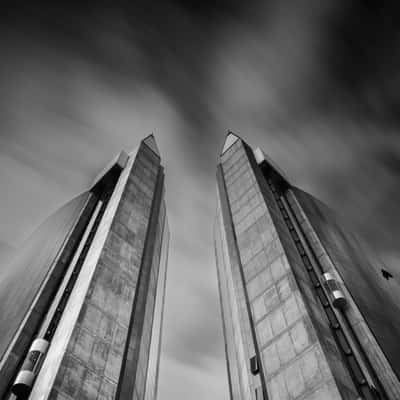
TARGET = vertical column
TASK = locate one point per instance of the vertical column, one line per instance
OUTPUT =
(230, 192)
(235, 342)
(156, 330)
(128, 383)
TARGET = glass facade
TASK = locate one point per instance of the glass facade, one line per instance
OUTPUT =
(361, 272)
(275, 304)
(114, 286)
(144, 352)
(27, 283)
(237, 344)
(156, 330)
(21, 280)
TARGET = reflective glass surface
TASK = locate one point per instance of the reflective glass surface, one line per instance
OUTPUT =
(377, 298)
(22, 278)
(156, 330)
(234, 341)
(145, 344)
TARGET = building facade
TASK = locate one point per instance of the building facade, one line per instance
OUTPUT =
(81, 306)
(308, 312)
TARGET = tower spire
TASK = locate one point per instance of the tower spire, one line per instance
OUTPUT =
(151, 142)
(230, 139)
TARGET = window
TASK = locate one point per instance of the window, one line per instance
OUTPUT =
(254, 367)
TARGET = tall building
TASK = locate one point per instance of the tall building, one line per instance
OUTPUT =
(308, 312)
(81, 306)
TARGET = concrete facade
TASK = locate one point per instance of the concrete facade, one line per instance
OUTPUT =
(276, 307)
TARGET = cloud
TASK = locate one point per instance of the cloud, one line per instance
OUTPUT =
(6, 252)
(192, 383)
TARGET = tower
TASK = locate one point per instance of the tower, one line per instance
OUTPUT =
(81, 306)
(307, 310)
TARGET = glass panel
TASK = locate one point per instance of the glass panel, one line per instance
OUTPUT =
(360, 270)
(21, 279)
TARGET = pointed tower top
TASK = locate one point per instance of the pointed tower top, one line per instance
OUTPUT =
(150, 141)
(230, 139)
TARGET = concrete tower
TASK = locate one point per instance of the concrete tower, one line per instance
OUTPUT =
(81, 306)
(308, 312)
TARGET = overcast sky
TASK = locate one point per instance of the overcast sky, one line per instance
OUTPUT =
(314, 83)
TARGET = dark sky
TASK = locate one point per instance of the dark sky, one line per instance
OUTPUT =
(314, 83)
